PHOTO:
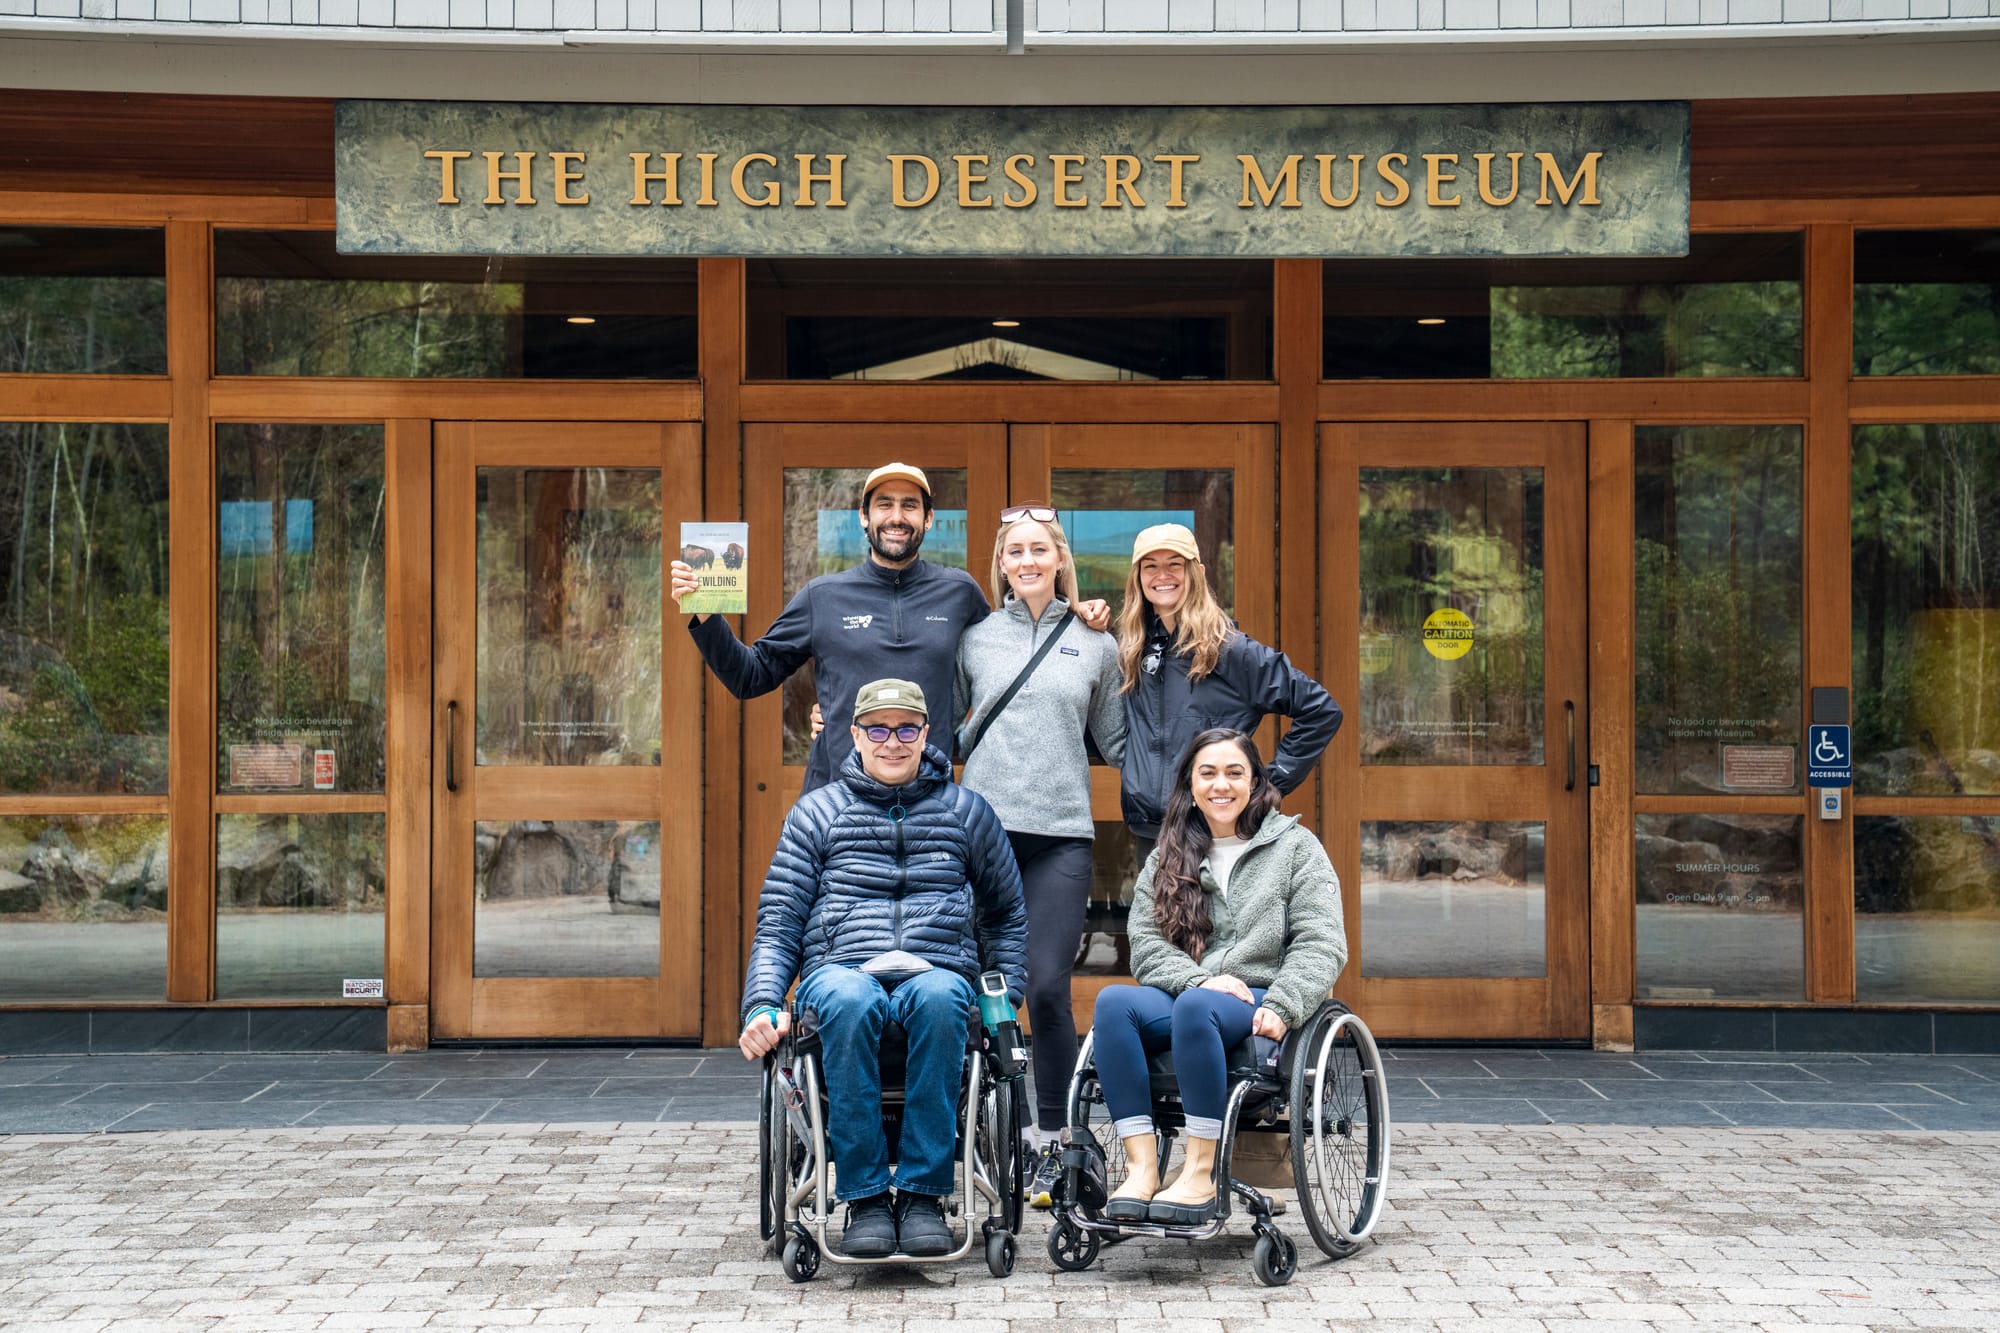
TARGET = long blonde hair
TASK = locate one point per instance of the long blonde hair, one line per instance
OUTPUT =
(1201, 626)
(1066, 586)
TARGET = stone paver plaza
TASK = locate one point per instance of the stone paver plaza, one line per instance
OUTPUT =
(574, 1224)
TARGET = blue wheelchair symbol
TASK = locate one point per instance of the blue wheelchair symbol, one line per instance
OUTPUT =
(1829, 757)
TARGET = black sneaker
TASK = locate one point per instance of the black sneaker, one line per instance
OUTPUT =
(871, 1228)
(1048, 1171)
(920, 1224)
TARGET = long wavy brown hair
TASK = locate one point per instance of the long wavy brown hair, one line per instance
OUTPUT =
(1201, 626)
(1179, 907)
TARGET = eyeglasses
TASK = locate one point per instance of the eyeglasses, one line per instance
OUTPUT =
(1039, 513)
(907, 733)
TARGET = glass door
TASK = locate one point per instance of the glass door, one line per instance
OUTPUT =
(561, 843)
(1454, 610)
(1107, 483)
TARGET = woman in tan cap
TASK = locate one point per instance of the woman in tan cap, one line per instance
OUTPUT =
(1187, 668)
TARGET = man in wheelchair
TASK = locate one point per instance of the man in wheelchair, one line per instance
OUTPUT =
(891, 890)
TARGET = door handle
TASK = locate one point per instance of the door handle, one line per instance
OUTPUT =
(1569, 743)
(451, 746)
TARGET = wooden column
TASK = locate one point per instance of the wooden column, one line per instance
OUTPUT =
(1828, 573)
(407, 555)
(1297, 360)
(725, 889)
(1613, 941)
(191, 597)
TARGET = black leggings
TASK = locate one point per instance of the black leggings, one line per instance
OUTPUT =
(1055, 880)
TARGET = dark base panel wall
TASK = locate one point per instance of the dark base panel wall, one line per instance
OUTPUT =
(191, 1030)
(1861, 1031)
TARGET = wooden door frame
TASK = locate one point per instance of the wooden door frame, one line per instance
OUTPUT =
(1556, 1005)
(462, 1005)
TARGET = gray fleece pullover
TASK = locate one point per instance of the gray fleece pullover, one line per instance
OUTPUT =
(1031, 765)
(1278, 927)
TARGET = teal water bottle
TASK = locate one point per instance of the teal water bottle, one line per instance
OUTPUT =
(1003, 1031)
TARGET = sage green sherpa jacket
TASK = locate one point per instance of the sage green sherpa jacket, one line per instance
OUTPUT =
(1279, 927)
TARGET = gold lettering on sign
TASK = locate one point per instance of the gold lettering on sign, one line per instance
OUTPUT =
(773, 195)
(566, 178)
(707, 199)
(809, 178)
(1393, 177)
(1586, 176)
(1012, 166)
(1436, 178)
(1121, 174)
(1486, 195)
(898, 163)
(1326, 195)
(968, 178)
(519, 175)
(642, 179)
(1253, 178)
(1175, 163)
(1060, 195)
(448, 162)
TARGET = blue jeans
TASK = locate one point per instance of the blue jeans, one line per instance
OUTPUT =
(932, 1008)
(1199, 1026)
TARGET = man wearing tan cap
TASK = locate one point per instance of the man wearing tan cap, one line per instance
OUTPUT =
(891, 615)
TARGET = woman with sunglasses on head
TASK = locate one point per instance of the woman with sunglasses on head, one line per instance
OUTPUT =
(1236, 929)
(1185, 667)
(1033, 679)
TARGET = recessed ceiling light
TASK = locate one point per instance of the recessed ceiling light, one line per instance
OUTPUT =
(1430, 321)
(1006, 323)
(581, 319)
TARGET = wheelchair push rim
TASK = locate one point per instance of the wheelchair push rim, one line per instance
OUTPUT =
(1339, 1111)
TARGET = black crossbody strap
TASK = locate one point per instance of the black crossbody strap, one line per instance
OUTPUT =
(1019, 681)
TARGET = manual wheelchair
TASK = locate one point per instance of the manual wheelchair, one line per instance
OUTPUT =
(1323, 1086)
(795, 1166)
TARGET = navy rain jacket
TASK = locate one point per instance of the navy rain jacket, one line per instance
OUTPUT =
(862, 869)
(1166, 710)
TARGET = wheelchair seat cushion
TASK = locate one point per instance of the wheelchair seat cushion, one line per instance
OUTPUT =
(1252, 1058)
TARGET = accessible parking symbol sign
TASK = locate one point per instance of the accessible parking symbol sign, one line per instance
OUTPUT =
(1829, 756)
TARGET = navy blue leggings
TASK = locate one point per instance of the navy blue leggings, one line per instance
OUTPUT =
(1198, 1025)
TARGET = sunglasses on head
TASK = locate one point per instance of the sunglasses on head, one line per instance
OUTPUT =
(1039, 513)
(907, 733)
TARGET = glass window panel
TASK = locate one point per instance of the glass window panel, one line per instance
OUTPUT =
(1106, 950)
(567, 898)
(83, 907)
(300, 655)
(287, 304)
(1720, 907)
(298, 904)
(1103, 510)
(1927, 302)
(83, 608)
(823, 536)
(1010, 319)
(1730, 307)
(1717, 620)
(1927, 909)
(1451, 616)
(1466, 899)
(83, 300)
(1926, 598)
(569, 616)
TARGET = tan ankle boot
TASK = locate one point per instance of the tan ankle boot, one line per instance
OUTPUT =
(1142, 1180)
(1195, 1186)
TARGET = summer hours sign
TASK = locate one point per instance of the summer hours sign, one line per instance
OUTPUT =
(544, 179)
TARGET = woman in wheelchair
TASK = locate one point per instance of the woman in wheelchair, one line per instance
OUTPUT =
(1235, 929)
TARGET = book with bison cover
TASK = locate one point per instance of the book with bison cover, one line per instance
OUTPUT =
(719, 555)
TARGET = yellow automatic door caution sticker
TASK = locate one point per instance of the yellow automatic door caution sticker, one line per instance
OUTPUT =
(1448, 633)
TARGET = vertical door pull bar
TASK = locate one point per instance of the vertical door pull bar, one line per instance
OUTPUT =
(1569, 740)
(451, 746)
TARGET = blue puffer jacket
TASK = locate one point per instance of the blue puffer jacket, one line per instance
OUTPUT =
(862, 869)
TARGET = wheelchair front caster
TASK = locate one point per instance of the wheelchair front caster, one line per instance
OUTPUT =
(1000, 1253)
(1275, 1259)
(801, 1258)
(1071, 1248)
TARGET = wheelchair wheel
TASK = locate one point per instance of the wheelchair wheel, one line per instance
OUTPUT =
(1070, 1247)
(771, 1137)
(1275, 1259)
(1000, 1253)
(1000, 1149)
(801, 1258)
(1340, 1130)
